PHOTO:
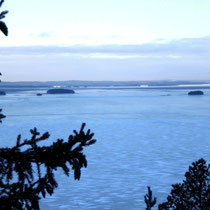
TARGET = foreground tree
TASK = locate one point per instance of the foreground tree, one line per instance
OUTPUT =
(27, 169)
(1, 115)
(194, 192)
(149, 200)
(4, 29)
(3, 26)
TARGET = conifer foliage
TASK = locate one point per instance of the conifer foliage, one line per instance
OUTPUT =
(27, 169)
(1, 115)
(3, 27)
(194, 192)
(149, 200)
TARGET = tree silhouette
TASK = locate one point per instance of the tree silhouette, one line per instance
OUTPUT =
(3, 26)
(194, 192)
(1, 115)
(27, 169)
(4, 29)
(148, 199)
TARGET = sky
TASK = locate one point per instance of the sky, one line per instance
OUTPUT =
(106, 40)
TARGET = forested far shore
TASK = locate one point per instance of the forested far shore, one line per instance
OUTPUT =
(101, 83)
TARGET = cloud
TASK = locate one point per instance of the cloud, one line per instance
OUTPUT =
(172, 49)
(184, 59)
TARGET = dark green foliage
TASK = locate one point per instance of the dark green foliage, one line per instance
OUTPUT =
(1, 2)
(1, 115)
(27, 169)
(194, 192)
(3, 26)
(150, 202)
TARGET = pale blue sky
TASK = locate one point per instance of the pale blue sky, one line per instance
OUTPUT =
(71, 22)
(105, 23)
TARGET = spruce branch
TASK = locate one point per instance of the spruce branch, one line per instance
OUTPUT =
(26, 159)
(148, 199)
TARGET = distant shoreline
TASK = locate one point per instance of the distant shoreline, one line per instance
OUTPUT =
(42, 89)
(79, 83)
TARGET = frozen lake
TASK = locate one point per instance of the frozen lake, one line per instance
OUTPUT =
(144, 138)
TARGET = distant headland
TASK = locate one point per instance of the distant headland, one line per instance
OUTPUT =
(10, 87)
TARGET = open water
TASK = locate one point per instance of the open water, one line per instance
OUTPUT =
(144, 138)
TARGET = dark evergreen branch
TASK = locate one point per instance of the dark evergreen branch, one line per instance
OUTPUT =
(194, 192)
(1, 2)
(26, 159)
(1, 115)
(2, 14)
(148, 199)
(3, 26)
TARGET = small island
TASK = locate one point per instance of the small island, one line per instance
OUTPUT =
(60, 91)
(196, 92)
(2, 93)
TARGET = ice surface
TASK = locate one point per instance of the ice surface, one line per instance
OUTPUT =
(144, 138)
